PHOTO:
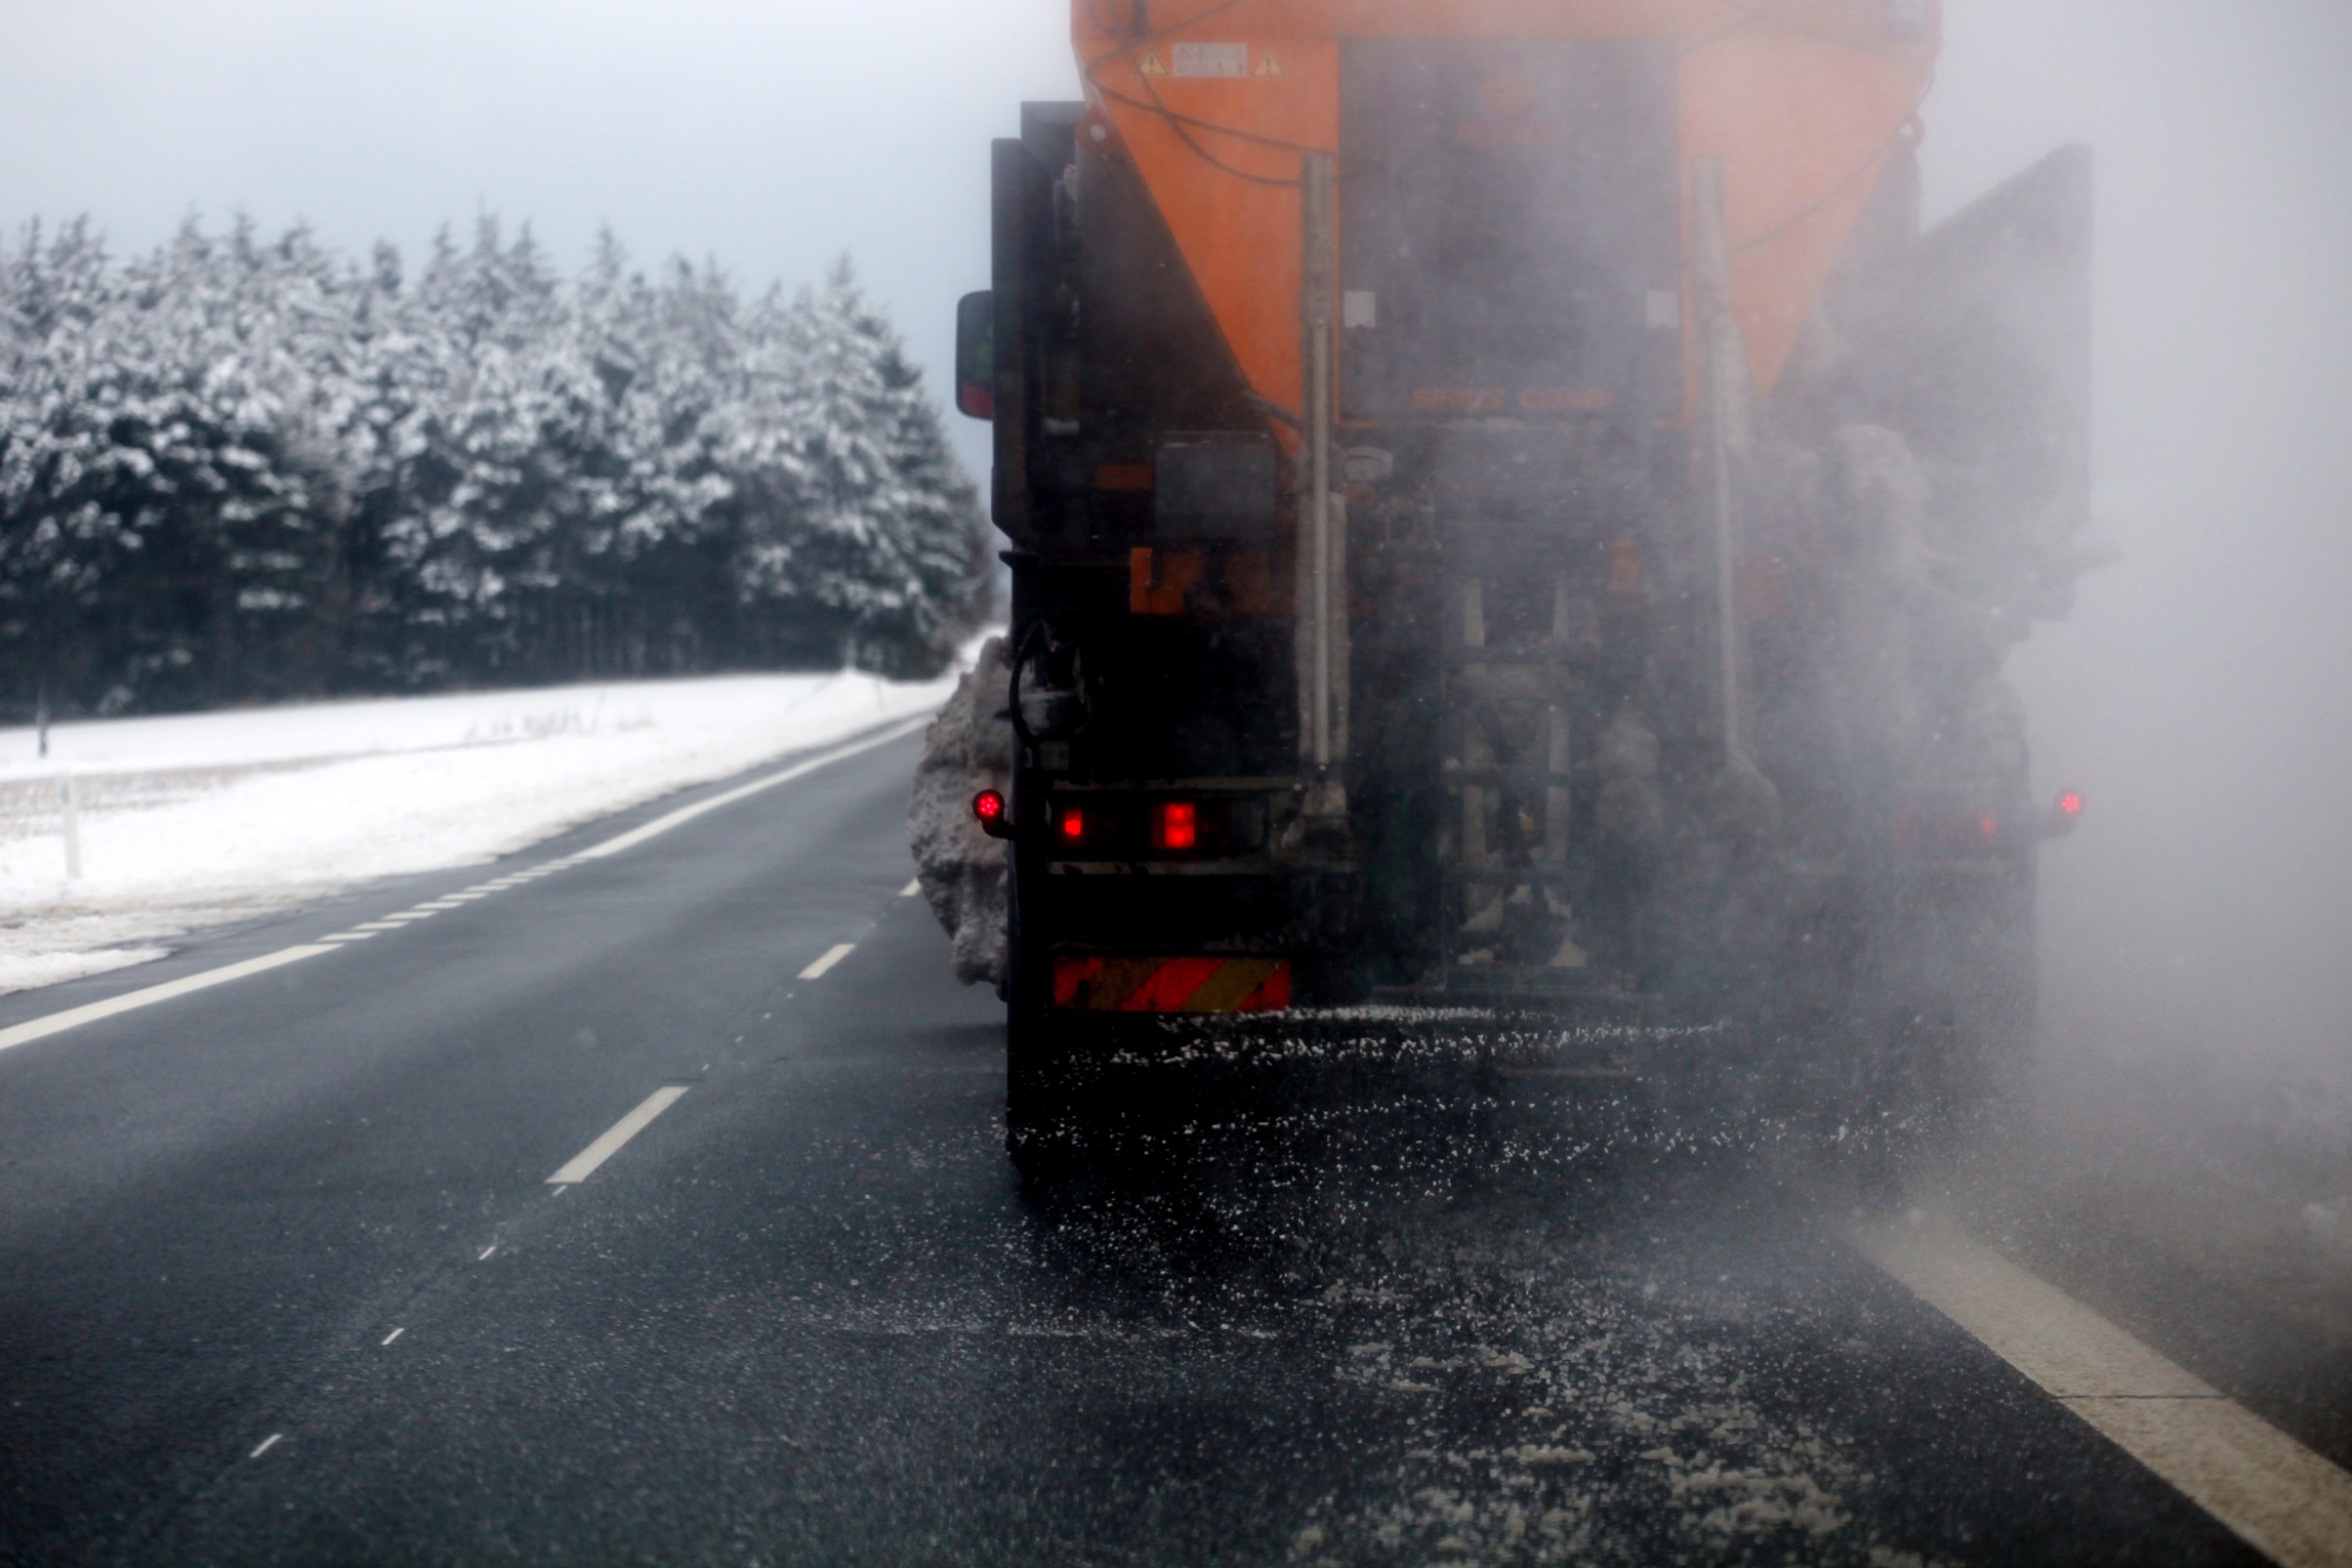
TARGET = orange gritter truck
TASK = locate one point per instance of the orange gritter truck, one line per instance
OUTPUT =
(1508, 509)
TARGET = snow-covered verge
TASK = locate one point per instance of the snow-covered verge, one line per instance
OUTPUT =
(194, 821)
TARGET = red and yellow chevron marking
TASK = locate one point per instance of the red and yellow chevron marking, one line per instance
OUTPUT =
(1171, 985)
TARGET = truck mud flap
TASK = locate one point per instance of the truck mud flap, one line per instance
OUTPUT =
(1100, 984)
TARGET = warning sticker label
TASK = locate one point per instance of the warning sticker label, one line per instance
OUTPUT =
(1151, 65)
(1209, 59)
(1269, 64)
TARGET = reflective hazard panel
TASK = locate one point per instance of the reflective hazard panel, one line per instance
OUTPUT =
(1171, 985)
(1209, 59)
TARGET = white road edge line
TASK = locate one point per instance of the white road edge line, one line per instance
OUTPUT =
(74, 1018)
(684, 814)
(583, 1165)
(2287, 1503)
(129, 1002)
(832, 956)
(912, 887)
(267, 1443)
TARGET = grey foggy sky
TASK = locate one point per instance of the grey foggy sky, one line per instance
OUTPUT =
(2202, 695)
(772, 135)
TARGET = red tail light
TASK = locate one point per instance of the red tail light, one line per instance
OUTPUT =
(2065, 812)
(988, 805)
(1073, 826)
(1174, 825)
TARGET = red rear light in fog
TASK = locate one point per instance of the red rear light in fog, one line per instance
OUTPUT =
(988, 805)
(2070, 804)
(1174, 825)
(1073, 824)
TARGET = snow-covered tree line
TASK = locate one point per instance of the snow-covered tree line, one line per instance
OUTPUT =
(239, 468)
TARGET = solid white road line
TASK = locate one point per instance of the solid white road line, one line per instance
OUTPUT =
(832, 956)
(267, 1443)
(583, 1164)
(684, 814)
(56, 1023)
(912, 888)
(2285, 1501)
(131, 1002)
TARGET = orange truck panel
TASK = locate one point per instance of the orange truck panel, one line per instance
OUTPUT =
(1803, 100)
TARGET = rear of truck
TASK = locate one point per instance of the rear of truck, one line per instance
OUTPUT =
(1507, 508)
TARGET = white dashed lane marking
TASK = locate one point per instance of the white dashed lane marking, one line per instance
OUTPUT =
(912, 887)
(583, 1165)
(832, 956)
(267, 1444)
(2280, 1497)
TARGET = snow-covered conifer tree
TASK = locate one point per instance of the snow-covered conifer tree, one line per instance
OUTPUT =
(875, 537)
(236, 467)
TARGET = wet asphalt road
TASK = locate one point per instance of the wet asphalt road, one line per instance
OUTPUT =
(810, 1315)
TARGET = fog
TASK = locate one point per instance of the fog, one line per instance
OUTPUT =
(520, 1098)
(2198, 697)
(2199, 694)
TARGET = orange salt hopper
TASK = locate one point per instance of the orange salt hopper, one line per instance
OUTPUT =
(1805, 101)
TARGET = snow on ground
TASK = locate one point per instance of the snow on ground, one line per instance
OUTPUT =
(198, 820)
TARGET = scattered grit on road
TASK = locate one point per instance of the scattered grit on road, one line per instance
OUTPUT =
(649, 1205)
